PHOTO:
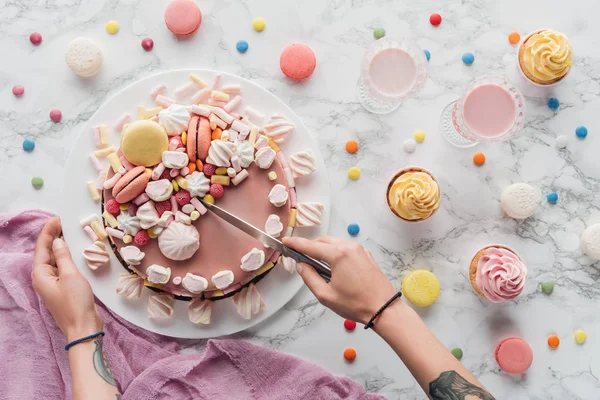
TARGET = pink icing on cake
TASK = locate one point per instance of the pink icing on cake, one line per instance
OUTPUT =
(501, 274)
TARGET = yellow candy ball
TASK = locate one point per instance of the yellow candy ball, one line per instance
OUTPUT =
(184, 137)
(419, 136)
(258, 24)
(209, 199)
(112, 27)
(175, 185)
(421, 288)
(354, 173)
(151, 233)
(580, 336)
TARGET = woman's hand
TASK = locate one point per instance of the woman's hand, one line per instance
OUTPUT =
(66, 293)
(358, 287)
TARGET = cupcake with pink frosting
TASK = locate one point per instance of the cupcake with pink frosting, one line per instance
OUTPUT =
(497, 273)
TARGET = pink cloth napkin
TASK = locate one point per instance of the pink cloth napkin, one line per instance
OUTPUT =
(34, 364)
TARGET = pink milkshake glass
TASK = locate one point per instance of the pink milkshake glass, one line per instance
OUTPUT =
(491, 110)
(392, 71)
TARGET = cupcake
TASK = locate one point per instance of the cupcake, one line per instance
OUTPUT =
(545, 57)
(413, 194)
(497, 273)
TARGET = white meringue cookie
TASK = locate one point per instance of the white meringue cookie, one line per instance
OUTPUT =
(253, 260)
(174, 119)
(175, 159)
(200, 311)
(309, 214)
(248, 301)
(128, 223)
(289, 264)
(302, 163)
(179, 241)
(222, 279)
(278, 127)
(165, 219)
(245, 153)
(159, 190)
(158, 274)
(198, 184)
(278, 195)
(264, 157)
(132, 255)
(219, 153)
(130, 286)
(160, 305)
(590, 241)
(194, 284)
(96, 255)
(147, 215)
(273, 226)
(520, 200)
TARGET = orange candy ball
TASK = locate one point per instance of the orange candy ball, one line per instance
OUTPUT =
(479, 158)
(192, 167)
(350, 354)
(553, 341)
(199, 165)
(514, 38)
(351, 146)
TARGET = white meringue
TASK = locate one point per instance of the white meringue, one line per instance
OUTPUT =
(253, 260)
(219, 153)
(222, 279)
(245, 152)
(194, 284)
(147, 215)
(278, 195)
(200, 311)
(175, 159)
(96, 255)
(132, 255)
(159, 190)
(130, 286)
(309, 214)
(158, 274)
(278, 127)
(273, 226)
(198, 184)
(302, 163)
(264, 157)
(128, 223)
(179, 241)
(289, 264)
(248, 301)
(174, 119)
(520, 200)
(160, 305)
(590, 241)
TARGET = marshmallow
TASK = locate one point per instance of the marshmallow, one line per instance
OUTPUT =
(200, 311)
(115, 233)
(272, 175)
(181, 182)
(185, 91)
(288, 231)
(109, 183)
(130, 286)
(123, 119)
(293, 198)
(103, 153)
(159, 190)
(302, 163)
(278, 128)
(194, 215)
(197, 80)
(141, 199)
(282, 160)
(132, 255)
(289, 177)
(264, 157)
(198, 205)
(158, 274)
(216, 122)
(219, 153)
(248, 301)
(157, 171)
(253, 260)
(160, 89)
(255, 116)
(219, 112)
(219, 96)
(110, 220)
(243, 174)
(261, 142)
(231, 172)
(128, 166)
(96, 163)
(253, 136)
(96, 255)
(194, 284)
(289, 264)
(278, 195)
(91, 185)
(174, 205)
(180, 216)
(222, 279)
(88, 220)
(165, 219)
(233, 104)
(231, 89)
(215, 82)
(236, 163)
(243, 129)
(184, 171)
(175, 159)
(100, 179)
(200, 96)
(309, 214)
(203, 111)
(273, 226)
(160, 306)
(173, 173)
(188, 208)
(90, 233)
(163, 101)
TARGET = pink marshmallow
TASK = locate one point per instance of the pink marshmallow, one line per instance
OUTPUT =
(293, 198)
(174, 205)
(200, 95)
(282, 160)
(109, 183)
(217, 103)
(181, 149)
(243, 129)
(235, 115)
(100, 180)
(123, 119)
(233, 104)
(275, 257)
(231, 89)
(173, 143)
(185, 90)
(200, 110)
(163, 101)
(289, 178)
(128, 166)
(157, 171)
(254, 115)
(96, 134)
(90, 233)
(198, 205)
(97, 164)
(219, 112)
(174, 173)
(160, 89)
(117, 234)
(141, 199)
(215, 83)
(122, 171)
(184, 171)
(218, 121)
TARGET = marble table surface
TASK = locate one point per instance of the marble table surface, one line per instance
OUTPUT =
(470, 216)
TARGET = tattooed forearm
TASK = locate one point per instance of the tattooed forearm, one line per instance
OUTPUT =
(100, 364)
(451, 386)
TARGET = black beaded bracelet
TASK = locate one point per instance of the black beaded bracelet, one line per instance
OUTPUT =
(83, 339)
(387, 303)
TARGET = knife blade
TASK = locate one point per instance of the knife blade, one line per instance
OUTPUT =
(320, 266)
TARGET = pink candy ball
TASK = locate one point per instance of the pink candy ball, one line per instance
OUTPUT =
(147, 44)
(18, 90)
(55, 115)
(35, 38)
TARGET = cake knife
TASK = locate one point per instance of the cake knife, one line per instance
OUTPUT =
(321, 267)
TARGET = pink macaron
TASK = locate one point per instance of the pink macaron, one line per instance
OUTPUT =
(198, 139)
(132, 184)
(297, 61)
(514, 355)
(183, 17)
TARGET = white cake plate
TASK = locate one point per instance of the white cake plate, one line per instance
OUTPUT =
(277, 288)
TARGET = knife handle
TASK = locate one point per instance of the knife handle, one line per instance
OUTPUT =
(321, 267)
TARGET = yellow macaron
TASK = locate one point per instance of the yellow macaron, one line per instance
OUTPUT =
(421, 288)
(143, 143)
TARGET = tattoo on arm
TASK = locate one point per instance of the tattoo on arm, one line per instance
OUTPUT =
(100, 364)
(451, 386)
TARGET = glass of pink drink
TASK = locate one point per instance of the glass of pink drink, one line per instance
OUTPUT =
(491, 110)
(392, 71)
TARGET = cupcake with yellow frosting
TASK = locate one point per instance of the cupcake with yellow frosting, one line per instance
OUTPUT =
(413, 194)
(545, 57)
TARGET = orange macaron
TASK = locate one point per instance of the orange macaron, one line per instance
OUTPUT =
(198, 138)
(183, 17)
(132, 184)
(297, 61)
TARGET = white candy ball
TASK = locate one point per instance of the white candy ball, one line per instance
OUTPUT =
(561, 142)
(410, 145)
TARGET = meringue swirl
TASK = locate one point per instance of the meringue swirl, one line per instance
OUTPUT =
(501, 274)
(547, 55)
(414, 195)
